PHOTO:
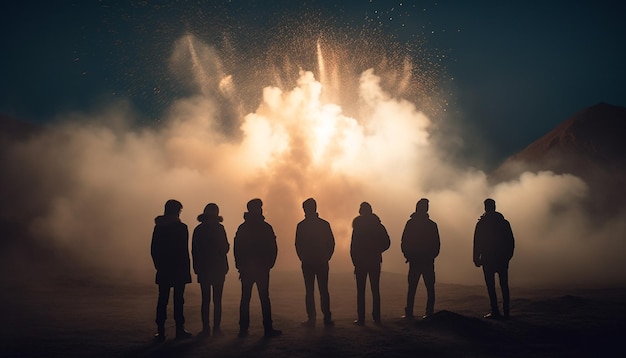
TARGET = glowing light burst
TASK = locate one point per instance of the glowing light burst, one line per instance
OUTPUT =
(305, 126)
(309, 111)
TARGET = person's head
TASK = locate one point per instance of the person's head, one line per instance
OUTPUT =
(309, 206)
(365, 208)
(422, 206)
(490, 205)
(211, 210)
(173, 207)
(255, 206)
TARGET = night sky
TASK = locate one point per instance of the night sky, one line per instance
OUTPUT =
(508, 72)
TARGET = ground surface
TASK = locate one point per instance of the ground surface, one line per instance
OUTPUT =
(79, 318)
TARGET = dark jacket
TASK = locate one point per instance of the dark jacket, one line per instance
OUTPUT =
(369, 240)
(420, 239)
(493, 240)
(315, 242)
(209, 247)
(255, 245)
(170, 251)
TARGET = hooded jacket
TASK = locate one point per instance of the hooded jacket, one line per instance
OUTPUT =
(369, 240)
(315, 243)
(209, 247)
(254, 244)
(170, 251)
(420, 239)
(493, 240)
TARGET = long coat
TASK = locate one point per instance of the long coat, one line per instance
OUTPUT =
(420, 239)
(493, 240)
(315, 242)
(369, 240)
(170, 251)
(255, 246)
(209, 247)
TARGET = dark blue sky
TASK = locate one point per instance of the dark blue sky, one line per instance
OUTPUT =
(513, 70)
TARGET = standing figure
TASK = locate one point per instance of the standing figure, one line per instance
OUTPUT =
(420, 246)
(315, 245)
(493, 249)
(209, 247)
(170, 254)
(369, 241)
(255, 254)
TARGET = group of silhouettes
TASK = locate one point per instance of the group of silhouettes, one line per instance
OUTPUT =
(255, 253)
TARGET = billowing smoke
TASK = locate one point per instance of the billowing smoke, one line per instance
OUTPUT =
(92, 183)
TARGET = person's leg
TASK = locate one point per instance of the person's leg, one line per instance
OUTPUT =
(161, 311)
(413, 279)
(360, 276)
(205, 289)
(489, 274)
(429, 282)
(218, 289)
(244, 305)
(322, 284)
(374, 274)
(309, 285)
(263, 286)
(503, 275)
(179, 302)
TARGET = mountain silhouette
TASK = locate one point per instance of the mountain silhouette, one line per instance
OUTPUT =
(590, 145)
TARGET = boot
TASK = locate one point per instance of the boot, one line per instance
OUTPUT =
(408, 314)
(506, 311)
(160, 335)
(205, 333)
(243, 332)
(271, 332)
(182, 333)
(217, 332)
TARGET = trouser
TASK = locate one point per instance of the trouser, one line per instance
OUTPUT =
(161, 309)
(310, 272)
(427, 271)
(262, 280)
(503, 274)
(218, 287)
(361, 274)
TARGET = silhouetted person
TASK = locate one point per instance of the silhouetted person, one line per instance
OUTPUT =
(420, 246)
(493, 249)
(209, 247)
(369, 241)
(170, 254)
(315, 245)
(255, 254)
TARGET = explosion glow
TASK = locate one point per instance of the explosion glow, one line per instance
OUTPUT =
(344, 130)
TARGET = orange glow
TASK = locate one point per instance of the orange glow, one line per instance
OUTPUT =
(341, 136)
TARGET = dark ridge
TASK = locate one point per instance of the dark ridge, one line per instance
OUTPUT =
(590, 145)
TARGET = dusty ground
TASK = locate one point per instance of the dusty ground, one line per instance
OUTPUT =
(79, 318)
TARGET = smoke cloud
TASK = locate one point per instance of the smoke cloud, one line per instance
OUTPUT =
(92, 183)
